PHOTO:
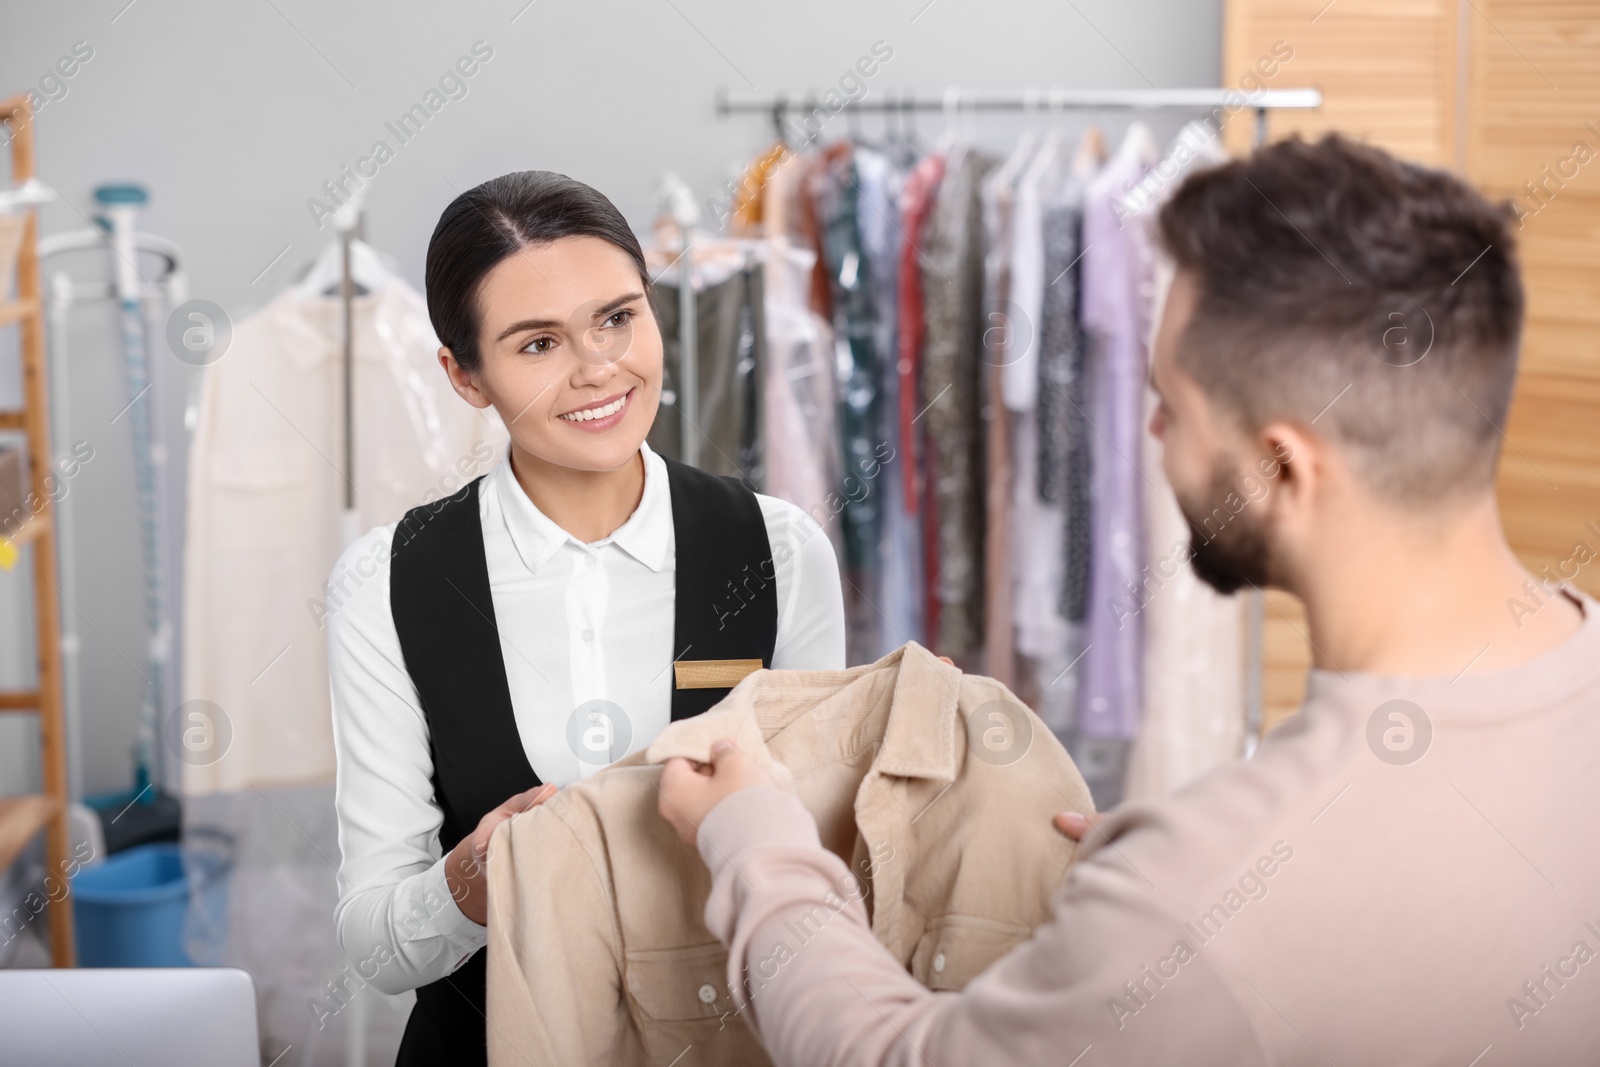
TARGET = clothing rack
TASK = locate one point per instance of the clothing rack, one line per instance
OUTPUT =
(1042, 101)
(1039, 100)
(677, 202)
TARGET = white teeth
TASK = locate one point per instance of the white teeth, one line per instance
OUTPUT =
(597, 413)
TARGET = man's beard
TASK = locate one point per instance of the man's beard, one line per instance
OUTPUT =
(1234, 550)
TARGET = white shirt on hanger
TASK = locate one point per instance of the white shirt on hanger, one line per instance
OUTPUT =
(264, 525)
(577, 622)
(1019, 378)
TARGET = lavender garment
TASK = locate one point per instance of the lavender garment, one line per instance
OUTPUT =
(1111, 694)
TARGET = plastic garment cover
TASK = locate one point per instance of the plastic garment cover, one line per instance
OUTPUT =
(1194, 656)
(254, 736)
(263, 874)
(266, 492)
(899, 592)
(800, 391)
(729, 348)
(952, 359)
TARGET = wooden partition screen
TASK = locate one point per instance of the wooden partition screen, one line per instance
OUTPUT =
(1507, 93)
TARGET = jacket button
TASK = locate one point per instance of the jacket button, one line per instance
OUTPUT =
(708, 993)
(938, 963)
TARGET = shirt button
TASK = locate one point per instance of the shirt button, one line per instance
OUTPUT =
(588, 635)
(938, 963)
(708, 993)
(589, 560)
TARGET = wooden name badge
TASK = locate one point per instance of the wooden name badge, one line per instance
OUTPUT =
(713, 673)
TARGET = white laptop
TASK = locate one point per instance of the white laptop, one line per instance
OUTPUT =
(172, 1017)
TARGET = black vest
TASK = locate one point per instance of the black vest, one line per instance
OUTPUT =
(726, 607)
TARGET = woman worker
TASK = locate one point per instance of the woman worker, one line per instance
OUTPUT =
(534, 626)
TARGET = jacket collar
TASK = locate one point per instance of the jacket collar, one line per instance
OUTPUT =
(918, 739)
(918, 742)
(647, 534)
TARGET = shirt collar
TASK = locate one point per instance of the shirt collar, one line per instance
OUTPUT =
(314, 331)
(646, 535)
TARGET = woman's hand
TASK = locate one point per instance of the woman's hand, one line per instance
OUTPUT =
(466, 868)
(690, 790)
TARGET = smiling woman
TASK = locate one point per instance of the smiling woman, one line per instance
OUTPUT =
(524, 633)
(556, 334)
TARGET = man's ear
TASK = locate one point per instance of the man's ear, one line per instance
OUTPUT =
(464, 383)
(1293, 462)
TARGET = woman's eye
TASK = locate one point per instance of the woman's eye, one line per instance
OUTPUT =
(539, 345)
(619, 318)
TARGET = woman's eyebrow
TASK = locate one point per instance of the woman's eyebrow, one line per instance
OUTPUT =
(527, 324)
(626, 298)
(545, 324)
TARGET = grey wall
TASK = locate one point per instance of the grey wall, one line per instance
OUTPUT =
(233, 115)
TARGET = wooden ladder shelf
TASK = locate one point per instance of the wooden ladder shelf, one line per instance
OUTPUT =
(21, 817)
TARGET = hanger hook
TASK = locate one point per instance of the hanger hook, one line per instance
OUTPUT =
(952, 108)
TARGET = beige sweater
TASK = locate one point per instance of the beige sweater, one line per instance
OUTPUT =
(936, 787)
(1384, 883)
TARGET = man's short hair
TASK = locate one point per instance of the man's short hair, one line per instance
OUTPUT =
(1377, 298)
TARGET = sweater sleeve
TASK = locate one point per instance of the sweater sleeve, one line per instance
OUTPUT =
(820, 990)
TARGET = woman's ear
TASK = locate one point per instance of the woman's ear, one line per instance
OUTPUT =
(463, 382)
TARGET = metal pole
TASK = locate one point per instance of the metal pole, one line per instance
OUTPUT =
(1047, 99)
(346, 297)
(688, 355)
(1255, 608)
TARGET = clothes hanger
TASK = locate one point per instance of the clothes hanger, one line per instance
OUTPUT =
(1006, 174)
(326, 273)
(948, 136)
(952, 143)
(1091, 153)
(912, 144)
(780, 107)
(325, 276)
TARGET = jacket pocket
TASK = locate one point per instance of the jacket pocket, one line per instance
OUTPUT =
(267, 486)
(955, 949)
(680, 998)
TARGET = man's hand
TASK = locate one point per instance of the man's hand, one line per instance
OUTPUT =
(690, 790)
(466, 869)
(1075, 824)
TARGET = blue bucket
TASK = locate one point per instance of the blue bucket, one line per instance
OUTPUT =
(128, 911)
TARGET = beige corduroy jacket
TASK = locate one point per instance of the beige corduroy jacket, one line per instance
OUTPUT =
(936, 788)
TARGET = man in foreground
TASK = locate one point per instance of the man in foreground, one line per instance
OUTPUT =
(1400, 874)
